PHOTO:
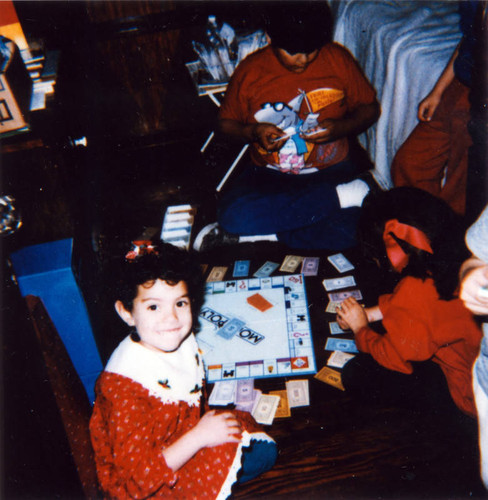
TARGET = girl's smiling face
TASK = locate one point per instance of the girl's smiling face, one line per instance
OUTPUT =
(161, 314)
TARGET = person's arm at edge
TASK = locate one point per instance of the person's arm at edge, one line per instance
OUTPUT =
(429, 104)
(473, 276)
(468, 265)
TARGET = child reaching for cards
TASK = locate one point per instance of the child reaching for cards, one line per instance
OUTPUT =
(427, 327)
(151, 433)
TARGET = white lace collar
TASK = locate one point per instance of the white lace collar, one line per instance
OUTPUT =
(170, 376)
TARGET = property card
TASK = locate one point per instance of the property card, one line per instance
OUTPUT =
(310, 266)
(331, 377)
(297, 391)
(340, 262)
(241, 268)
(337, 283)
(338, 359)
(217, 274)
(266, 269)
(345, 345)
(290, 263)
(265, 410)
(340, 296)
(283, 409)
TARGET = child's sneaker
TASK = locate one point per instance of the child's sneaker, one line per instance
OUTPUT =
(213, 236)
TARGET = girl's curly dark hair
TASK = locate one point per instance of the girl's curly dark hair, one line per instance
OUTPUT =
(166, 262)
(417, 208)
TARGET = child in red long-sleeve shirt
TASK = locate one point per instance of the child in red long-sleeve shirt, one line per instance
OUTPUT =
(420, 239)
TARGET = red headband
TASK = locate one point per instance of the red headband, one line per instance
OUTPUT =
(410, 234)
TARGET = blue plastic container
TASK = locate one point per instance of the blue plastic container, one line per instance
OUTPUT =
(45, 270)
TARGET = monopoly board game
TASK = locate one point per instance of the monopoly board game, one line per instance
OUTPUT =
(256, 328)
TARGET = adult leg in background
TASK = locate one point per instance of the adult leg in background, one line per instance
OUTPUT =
(437, 147)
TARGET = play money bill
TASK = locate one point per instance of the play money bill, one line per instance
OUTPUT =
(297, 391)
(340, 262)
(283, 409)
(290, 263)
(344, 345)
(331, 377)
(223, 393)
(335, 329)
(249, 405)
(310, 266)
(339, 358)
(241, 268)
(332, 307)
(337, 283)
(265, 410)
(340, 296)
(266, 269)
(217, 274)
(245, 390)
(230, 328)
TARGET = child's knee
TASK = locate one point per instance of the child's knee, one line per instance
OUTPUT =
(257, 459)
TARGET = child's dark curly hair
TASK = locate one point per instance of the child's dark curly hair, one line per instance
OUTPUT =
(298, 26)
(431, 215)
(167, 263)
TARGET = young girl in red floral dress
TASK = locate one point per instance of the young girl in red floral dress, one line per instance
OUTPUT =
(150, 430)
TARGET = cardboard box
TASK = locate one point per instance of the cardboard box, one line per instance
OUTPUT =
(15, 92)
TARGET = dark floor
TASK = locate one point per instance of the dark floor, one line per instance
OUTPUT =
(336, 448)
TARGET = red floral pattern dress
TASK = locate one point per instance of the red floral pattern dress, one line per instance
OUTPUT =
(145, 401)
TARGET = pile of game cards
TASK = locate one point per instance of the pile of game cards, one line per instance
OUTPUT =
(177, 225)
(290, 264)
(263, 407)
(343, 349)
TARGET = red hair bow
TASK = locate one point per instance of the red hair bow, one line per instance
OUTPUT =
(410, 234)
(140, 247)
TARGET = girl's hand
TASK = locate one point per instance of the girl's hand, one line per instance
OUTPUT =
(472, 290)
(352, 314)
(428, 106)
(342, 323)
(215, 428)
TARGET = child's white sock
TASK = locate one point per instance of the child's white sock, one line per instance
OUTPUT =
(352, 193)
(258, 237)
